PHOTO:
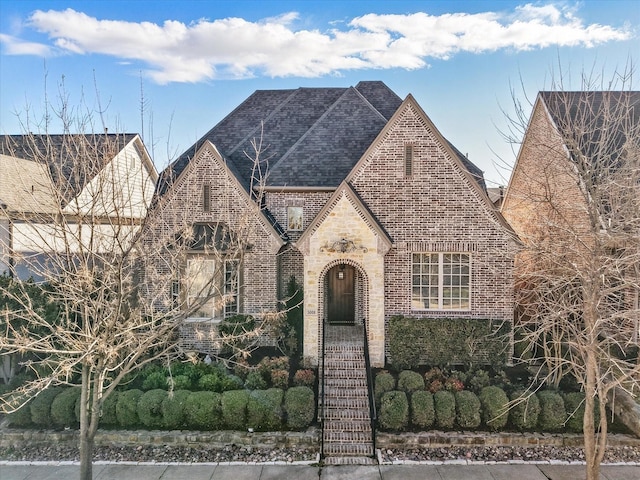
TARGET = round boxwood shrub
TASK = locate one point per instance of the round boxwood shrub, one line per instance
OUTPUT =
(264, 409)
(172, 409)
(495, 405)
(574, 404)
(385, 382)
(552, 411)
(155, 380)
(299, 407)
(394, 411)
(63, 408)
(203, 411)
(150, 408)
(108, 415)
(234, 409)
(524, 415)
(41, 407)
(180, 382)
(21, 417)
(444, 405)
(410, 381)
(422, 412)
(280, 378)
(467, 409)
(255, 381)
(127, 408)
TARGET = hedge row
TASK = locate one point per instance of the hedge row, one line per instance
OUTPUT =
(262, 410)
(445, 410)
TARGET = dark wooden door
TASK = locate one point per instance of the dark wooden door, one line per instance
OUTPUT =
(341, 291)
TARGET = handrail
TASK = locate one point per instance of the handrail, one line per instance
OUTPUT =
(322, 400)
(372, 403)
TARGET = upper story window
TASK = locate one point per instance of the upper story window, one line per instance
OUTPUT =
(408, 160)
(295, 218)
(441, 281)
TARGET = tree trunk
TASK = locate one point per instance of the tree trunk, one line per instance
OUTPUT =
(86, 456)
(588, 425)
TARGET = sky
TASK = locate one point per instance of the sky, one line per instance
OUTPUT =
(171, 70)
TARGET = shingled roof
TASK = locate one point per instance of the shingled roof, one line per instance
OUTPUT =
(313, 136)
(62, 152)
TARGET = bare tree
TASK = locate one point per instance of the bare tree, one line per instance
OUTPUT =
(574, 200)
(118, 274)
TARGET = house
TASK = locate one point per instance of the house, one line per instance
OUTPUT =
(574, 196)
(59, 186)
(356, 194)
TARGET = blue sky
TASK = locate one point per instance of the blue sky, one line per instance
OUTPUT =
(197, 60)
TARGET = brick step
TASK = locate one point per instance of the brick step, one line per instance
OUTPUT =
(340, 413)
(346, 437)
(349, 449)
(353, 383)
(344, 365)
(352, 425)
(354, 374)
(344, 357)
(347, 403)
(336, 460)
(344, 345)
(344, 392)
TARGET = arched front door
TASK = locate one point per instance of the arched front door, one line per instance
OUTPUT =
(341, 294)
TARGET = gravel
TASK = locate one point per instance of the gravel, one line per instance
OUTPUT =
(234, 453)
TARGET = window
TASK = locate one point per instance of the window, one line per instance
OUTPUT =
(231, 290)
(440, 281)
(408, 160)
(206, 198)
(212, 292)
(294, 218)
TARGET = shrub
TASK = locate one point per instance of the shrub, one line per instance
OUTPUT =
(394, 411)
(41, 407)
(150, 408)
(304, 378)
(385, 382)
(211, 382)
(179, 382)
(108, 415)
(21, 417)
(453, 385)
(444, 405)
(524, 415)
(255, 381)
(203, 411)
(299, 406)
(234, 409)
(155, 380)
(242, 368)
(552, 411)
(264, 409)
(172, 408)
(63, 408)
(574, 404)
(495, 404)
(435, 386)
(409, 381)
(478, 380)
(280, 379)
(422, 412)
(127, 408)
(467, 409)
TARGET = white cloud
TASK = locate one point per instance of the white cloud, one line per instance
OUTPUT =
(234, 47)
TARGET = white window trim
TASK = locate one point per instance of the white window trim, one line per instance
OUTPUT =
(223, 311)
(441, 283)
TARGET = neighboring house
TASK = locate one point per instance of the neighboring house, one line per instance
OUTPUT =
(104, 182)
(361, 199)
(580, 150)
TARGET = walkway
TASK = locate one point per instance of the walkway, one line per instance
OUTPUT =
(306, 472)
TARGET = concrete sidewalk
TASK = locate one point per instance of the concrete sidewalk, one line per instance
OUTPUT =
(16, 471)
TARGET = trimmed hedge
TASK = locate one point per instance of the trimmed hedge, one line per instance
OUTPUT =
(63, 408)
(384, 382)
(394, 411)
(108, 415)
(495, 405)
(524, 415)
(444, 404)
(127, 408)
(467, 409)
(422, 410)
(150, 408)
(234, 409)
(264, 409)
(203, 411)
(409, 381)
(40, 407)
(255, 380)
(442, 341)
(173, 411)
(552, 411)
(299, 407)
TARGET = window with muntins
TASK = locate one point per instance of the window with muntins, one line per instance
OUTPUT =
(441, 281)
(212, 290)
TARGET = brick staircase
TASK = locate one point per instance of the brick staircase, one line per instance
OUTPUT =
(346, 429)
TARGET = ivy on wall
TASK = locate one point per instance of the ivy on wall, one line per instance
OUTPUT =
(447, 341)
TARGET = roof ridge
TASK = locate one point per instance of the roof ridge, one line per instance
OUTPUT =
(369, 103)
